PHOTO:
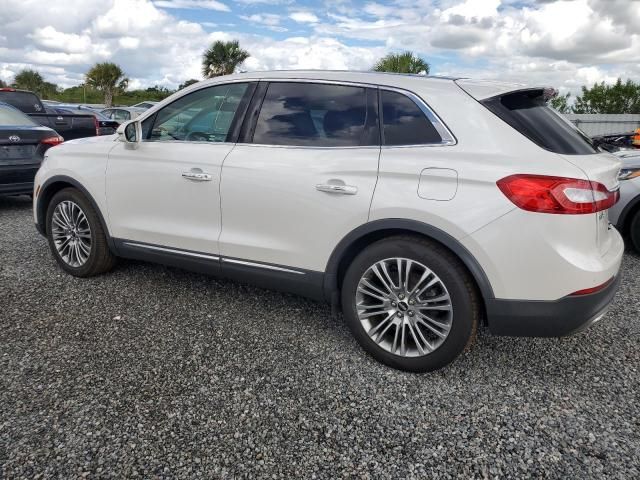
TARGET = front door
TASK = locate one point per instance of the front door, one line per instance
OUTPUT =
(165, 193)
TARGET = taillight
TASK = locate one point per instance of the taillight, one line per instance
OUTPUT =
(57, 140)
(560, 195)
(96, 123)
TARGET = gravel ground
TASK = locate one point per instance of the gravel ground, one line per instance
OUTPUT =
(154, 372)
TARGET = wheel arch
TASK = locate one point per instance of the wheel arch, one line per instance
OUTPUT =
(52, 186)
(366, 234)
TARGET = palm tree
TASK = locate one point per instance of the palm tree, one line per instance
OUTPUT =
(222, 58)
(109, 79)
(405, 62)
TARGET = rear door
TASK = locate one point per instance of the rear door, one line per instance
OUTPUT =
(302, 177)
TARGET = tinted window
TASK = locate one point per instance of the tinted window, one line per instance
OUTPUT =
(528, 113)
(404, 123)
(12, 117)
(202, 116)
(24, 101)
(312, 114)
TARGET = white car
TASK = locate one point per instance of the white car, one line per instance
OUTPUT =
(418, 206)
(625, 214)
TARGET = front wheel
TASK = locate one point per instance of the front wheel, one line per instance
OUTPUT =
(76, 237)
(410, 303)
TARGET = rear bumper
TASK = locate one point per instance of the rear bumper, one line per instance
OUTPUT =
(568, 315)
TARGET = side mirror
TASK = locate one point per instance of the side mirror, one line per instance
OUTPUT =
(130, 133)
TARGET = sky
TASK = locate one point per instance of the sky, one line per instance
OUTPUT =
(560, 43)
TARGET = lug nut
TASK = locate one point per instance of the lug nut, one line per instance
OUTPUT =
(394, 304)
(401, 296)
(411, 313)
(411, 302)
(400, 314)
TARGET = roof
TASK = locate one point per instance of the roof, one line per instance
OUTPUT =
(479, 89)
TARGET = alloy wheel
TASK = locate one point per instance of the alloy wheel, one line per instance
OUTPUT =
(71, 233)
(404, 307)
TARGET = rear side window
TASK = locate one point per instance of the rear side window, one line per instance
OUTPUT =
(12, 117)
(529, 114)
(318, 115)
(24, 101)
(404, 123)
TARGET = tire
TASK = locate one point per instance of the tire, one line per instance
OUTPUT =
(99, 258)
(451, 303)
(634, 231)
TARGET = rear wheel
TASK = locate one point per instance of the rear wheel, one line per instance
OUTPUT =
(76, 237)
(410, 303)
(634, 231)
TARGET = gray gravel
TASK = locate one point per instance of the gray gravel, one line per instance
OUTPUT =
(154, 372)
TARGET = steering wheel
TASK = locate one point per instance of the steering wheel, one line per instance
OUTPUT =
(197, 137)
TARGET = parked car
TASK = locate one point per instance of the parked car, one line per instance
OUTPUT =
(74, 125)
(22, 146)
(418, 206)
(145, 105)
(103, 124)
(122, 114)
(625, 215)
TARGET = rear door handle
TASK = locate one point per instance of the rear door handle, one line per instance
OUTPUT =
(340, 189)
(197, 176)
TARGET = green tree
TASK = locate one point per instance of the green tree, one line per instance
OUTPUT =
(617, 98)
(109, 79)
(187, 83)
(28, 80)
(2, 83)
(560, 103)
(406, 62)
(222, 58)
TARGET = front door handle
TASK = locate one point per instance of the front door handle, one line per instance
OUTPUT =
(337, 188)
(197, 176)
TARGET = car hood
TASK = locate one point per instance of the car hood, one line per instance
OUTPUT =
(629, 157)
(97, 139)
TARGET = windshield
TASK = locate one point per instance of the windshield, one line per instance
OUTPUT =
(528, 113)
(9, 116)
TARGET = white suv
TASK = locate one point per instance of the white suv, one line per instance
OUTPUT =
(418, 206)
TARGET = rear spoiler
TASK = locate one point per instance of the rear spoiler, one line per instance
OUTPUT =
(485, 89)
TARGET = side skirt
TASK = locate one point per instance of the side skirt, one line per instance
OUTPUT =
(307, 283)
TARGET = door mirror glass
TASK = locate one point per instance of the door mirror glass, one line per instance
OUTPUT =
(131, 132)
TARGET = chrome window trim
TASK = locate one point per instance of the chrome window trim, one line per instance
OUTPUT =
(260, 265)
(172, 250)
(447, 136)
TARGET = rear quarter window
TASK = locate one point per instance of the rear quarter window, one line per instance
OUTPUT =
(404, 123)
(12, 117)
(528, 113)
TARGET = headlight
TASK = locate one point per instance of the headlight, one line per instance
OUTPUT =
(627, 173)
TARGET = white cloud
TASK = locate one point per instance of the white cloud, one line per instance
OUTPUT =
(303, 17)
(193, 4)
(562, 43)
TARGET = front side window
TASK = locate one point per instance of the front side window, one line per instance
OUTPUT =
(317, 115)
(404, 123)
(201, 116)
